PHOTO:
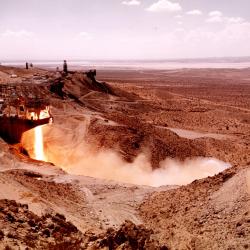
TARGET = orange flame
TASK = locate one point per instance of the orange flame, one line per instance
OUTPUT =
(32, 141)
(44, 113)
(38, 144)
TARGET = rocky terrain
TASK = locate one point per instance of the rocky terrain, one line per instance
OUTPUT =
(209, 214)
(129, 118)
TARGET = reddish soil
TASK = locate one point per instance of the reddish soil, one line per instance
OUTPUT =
(131, 112)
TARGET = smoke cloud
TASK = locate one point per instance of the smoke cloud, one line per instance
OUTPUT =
(72, 153)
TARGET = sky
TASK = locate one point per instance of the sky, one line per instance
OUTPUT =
(123, 29)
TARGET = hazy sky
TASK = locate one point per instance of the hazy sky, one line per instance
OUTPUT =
(123, 29)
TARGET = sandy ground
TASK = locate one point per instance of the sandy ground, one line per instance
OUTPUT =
(178, 114)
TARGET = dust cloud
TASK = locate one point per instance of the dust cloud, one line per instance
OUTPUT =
(72, 153)
(108, 165)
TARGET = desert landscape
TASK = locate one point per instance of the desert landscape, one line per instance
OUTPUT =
(134, 159)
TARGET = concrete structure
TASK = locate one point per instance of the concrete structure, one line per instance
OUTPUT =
(21, 108)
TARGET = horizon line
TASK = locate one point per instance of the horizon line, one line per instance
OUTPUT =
(131, 59)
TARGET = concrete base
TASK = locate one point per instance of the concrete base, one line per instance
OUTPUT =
(12, 128)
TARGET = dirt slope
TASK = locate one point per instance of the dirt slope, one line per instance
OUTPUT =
(213, 213)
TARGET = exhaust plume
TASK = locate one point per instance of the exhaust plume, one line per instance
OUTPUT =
(38, 144)
(71, 152)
